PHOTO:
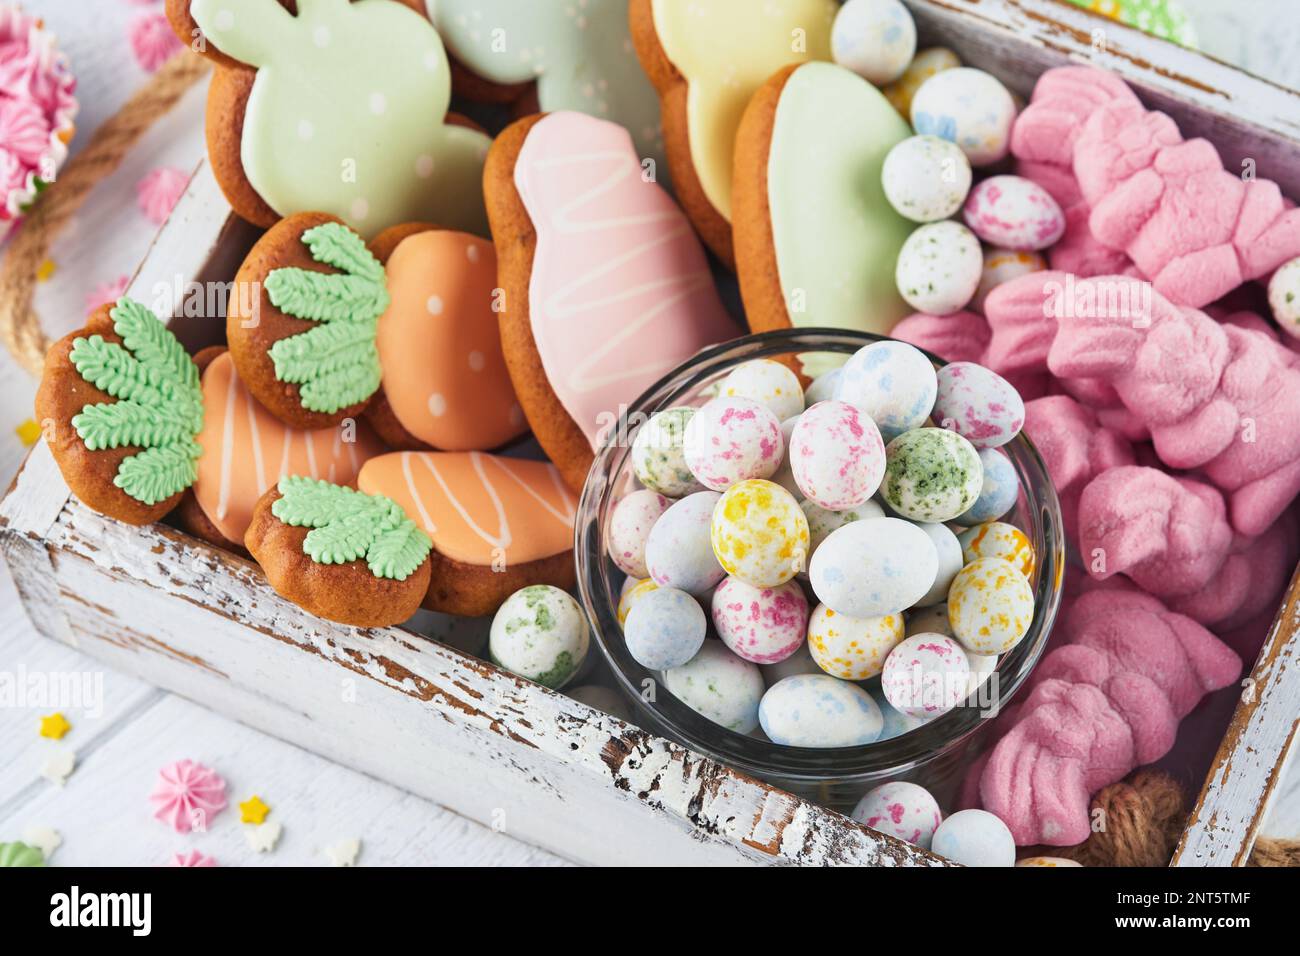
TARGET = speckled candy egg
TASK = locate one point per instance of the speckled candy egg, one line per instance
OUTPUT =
(633, 591)
(998, 492)
(931, 474)
(895, 723)
(664, 629)
(760, 534)
(975, 838)
(1047, 861)
(817, 710)
(924, 65)
(823, 386)
(720, 686)
(657, 455)
(539, 633)
(784, 474)
(939, 267)
(893, 382)
(678, 553)
(926, 675)
(997, 539)
(763, 625)
(990, 606)
(821, 522)
(948, 548)
(1003, 265)
(873, 568)
(874, 38)
(926, 178)
(978, 404)
(929, 620)
(852, 648)
(1284, 297)
(768, 383)
(629, 527)
(800, 662)
(731, 440)
(1014, 212)
(982, 667)
(903, 810)
(969, 107)
(837, 455)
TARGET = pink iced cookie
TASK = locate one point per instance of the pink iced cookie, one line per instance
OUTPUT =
(763, 625)
(1015, 213)
(1169, 535)
(837, 455)
(1108, 701)
(629, 529)
(732, 439)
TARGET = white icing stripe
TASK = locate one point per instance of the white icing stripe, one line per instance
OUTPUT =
(259, 466)
(429, 526)
(311, 454)
(565, 517)
(503, 539)
(227, 449)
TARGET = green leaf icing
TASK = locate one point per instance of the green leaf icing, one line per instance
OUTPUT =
(336, 364)
(159, 405)
(349, 525)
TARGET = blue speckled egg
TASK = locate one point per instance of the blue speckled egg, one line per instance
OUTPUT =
(969, 107)
(998, 492)
(665, 629)
(975, 838)
(823, 386)
(717, 684)
(876, 39)
(874, 567)
(948, 548)
(893, 382)
(678, 552)
(817, 710)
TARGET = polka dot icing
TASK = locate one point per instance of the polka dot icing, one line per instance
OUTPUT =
(852, 648)
(978, 404)
(720, 686)
(931, 474)
(678, 553)
(926, 178)
(874, 38)
(665, 628)
(539, 633)
(998, 492)
(939, 267)
(990, 606)
(629, 527)
(874, 567)
(817, 710)
(969, 107)
(768, 383)
(657, 455)
(837, 455)
(901, 809)
(760, 533)
(1015, 213)
(732, 439)
(926, 675)
(893, 382)
(763, 625)
(997, 539)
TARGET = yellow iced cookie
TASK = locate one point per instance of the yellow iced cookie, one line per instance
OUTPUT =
(852, 648)
(759, 533)
(990, 606)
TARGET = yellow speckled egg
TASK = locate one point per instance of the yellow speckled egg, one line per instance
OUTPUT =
(759, 533)
(852, 648)
(990, 606)
(997, 539)
(633, 594)
(1046, 861)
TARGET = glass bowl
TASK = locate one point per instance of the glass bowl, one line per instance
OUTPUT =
(935, 753)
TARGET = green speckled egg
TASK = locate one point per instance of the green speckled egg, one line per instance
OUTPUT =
(657, 456)
(539, 633)
(931, 474)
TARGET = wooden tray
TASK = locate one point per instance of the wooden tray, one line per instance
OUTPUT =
(511, 754)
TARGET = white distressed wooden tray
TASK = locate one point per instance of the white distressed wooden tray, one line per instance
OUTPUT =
(511, 754)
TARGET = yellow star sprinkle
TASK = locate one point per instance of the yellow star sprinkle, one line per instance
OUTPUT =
(45, 270)
(54, 726)
(253, 810)
(29, 433)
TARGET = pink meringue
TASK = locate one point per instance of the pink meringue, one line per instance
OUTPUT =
(158, 192)
(192, 858)
(24, 130)
(152, 40)
(188, 795)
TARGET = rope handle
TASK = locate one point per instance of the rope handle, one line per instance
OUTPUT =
(20, 327)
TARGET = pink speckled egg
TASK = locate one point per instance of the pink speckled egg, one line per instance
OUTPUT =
(1014, 213)
(926, 675)
(763, 625)
(733, 439)
(837, 455)
(629, 527)
(978, 404)
(903, 810)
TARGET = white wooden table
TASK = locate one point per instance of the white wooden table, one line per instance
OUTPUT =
(102, 812)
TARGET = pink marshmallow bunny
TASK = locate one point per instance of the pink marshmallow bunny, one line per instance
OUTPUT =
(1249, 584)
(1106, 702)
(1197, 230)
(959, 337)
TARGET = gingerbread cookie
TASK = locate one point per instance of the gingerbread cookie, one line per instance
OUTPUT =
(340, 554)
(246, 450)
(340, 108)
(816, 239)
(558, 56)
(606, 287)
(302, 321)
(120, 405)
(445, 383)
(497, 524)
(707, 58)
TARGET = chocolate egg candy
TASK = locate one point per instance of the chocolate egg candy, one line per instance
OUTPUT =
(763, 625)
(837, 455)
(873, 568)
(768, 383)
(998, 491)
(931, 474)
(978, 404)
(733, 439)
(997, 539)
(975, 838)
(969, 107)
(817, 710)
(1014, 213)
(990, 606)
(664, 629)
(852, 648)
(926, 675)
(720, 686)
(1284, 297)
(1003, 265)
(541, 634)
(893, 382)
(629, 527)
(948, 548)
(657, 455)
(939, 267)
(926, 178)
(874, 38)
(901, 809)
(678, 553)
(760, 533)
